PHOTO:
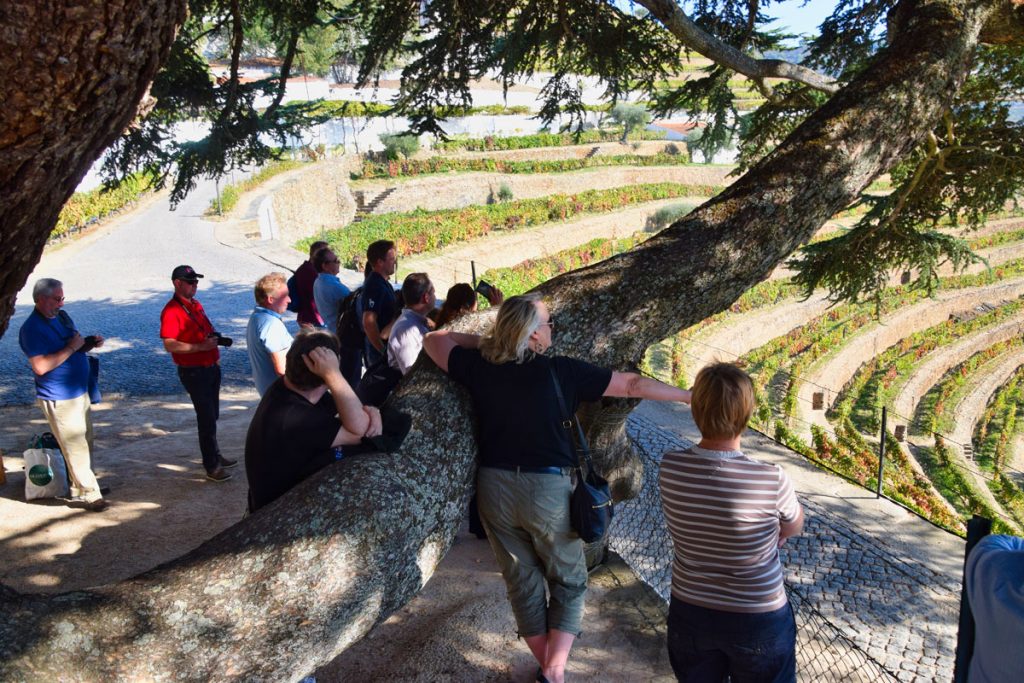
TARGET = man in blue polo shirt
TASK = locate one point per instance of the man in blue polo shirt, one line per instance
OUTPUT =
(266, 336)
(378, 304)
(56, 353)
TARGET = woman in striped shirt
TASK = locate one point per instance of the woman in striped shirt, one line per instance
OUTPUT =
(727, 515)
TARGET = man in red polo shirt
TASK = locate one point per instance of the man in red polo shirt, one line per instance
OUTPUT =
(192, 341)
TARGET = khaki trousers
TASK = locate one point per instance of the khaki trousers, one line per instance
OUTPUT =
(71, 422)
(541, 558)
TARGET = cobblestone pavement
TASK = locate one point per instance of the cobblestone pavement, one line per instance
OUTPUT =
(865, 611)
(116, 285)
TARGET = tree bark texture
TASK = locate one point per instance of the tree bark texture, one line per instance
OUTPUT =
(288, 588)
(73, 75)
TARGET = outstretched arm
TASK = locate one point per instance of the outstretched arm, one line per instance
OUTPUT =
(632, 385)
(439, 345)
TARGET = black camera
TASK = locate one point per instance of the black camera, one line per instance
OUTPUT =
(222, 340)
(90, 343)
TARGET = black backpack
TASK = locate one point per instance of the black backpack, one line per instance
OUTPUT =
(293, 292)
(350, 327)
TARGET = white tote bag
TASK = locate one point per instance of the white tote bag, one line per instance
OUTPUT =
(45, 474)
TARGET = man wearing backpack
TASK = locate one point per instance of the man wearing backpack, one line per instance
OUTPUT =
(300, 289)
(378, 303)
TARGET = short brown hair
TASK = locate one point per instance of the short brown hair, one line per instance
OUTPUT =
(722, 401)
(295, 369)
(267, 286)
(317, 246)
(377, 251)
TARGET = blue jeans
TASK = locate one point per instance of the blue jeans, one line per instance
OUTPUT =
(203, 387)
(708, 645)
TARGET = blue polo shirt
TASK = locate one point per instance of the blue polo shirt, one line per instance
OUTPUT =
(329, 293)
(41, 336)
(266, 334)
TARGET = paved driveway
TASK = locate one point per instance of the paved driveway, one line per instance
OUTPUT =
(116, 282)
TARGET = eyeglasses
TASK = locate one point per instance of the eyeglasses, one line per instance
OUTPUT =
(58, 299)
(550, 322)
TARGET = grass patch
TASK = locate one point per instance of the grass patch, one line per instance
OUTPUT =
(420, 231)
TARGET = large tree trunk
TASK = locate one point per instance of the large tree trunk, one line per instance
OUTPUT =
(73, 76)
(287, 589)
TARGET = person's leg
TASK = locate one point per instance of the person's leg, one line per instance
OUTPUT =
(561, 553)
(71, 424)
(498, 497)
(203, 387)
(765, 648)
(692, 650)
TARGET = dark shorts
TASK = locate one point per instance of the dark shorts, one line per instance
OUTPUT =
(708, 645)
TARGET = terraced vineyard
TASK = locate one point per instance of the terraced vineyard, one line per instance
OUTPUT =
(946, 371)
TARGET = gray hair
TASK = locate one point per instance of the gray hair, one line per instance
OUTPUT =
(509, 337)
(44, 287)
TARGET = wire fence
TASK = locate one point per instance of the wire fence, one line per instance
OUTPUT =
(640, 537)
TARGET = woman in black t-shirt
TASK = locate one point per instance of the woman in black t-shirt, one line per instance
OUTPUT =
(526, 458)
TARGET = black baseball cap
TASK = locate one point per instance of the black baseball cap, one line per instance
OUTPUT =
(186, 273)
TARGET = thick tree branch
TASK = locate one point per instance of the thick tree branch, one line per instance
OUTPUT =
(675, 20)
(1006, 25)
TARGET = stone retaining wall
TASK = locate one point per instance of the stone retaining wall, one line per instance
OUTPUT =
(317, 198)
(455, 190)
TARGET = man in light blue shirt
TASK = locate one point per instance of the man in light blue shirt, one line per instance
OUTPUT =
(406, 339)
(994, 577)
(267, 338)
(328, 290)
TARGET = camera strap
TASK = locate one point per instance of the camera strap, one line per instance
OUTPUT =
(194, 319)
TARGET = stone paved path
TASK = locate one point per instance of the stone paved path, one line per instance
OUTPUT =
(876, 589)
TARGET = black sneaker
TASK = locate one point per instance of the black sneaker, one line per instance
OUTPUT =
(218, 475)
(227, 463)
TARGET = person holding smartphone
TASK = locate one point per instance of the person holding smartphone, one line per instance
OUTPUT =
(56, 353)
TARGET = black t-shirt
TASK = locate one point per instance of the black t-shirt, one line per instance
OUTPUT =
(517, 409)
(289, 439)
(378, 296)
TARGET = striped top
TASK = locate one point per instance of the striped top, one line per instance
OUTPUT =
(723, 511)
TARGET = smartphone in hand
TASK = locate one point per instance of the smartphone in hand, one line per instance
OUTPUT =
(485, 288)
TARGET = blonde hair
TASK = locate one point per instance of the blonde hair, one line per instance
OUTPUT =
(267, 286)
(723, 400)
(509, 337)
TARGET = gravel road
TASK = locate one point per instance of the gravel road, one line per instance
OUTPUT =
(117, 280)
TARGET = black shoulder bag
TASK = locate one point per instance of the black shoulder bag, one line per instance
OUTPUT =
(590, 507)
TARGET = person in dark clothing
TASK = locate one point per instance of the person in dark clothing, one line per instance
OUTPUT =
(303, 420)
(378, 302)
(526, 459)
(305, 277)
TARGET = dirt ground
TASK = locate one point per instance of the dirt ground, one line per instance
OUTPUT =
(458, 629)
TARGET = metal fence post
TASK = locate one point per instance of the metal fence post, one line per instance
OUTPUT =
(472, 268)
(977, 529)
(881, 454)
